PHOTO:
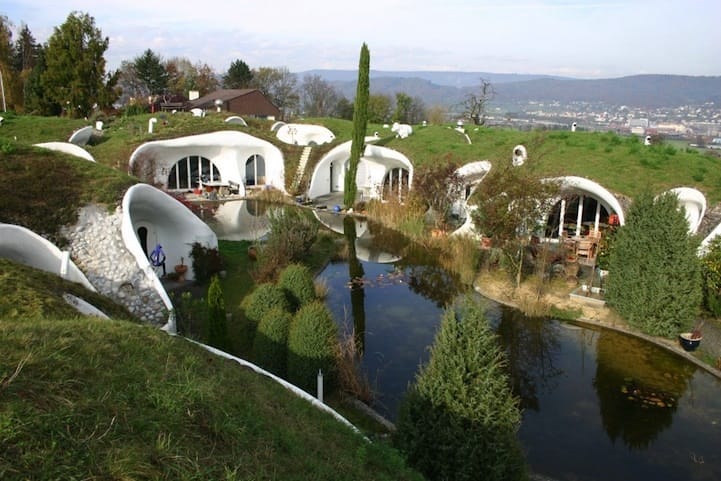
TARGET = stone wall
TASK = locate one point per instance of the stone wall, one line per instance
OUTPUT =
(97, 248)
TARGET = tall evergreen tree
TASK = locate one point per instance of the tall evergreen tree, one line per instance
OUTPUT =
(74, 79)
(360, 124)
(460, 419)
(25, 56)
(238, 76)
(7, 72)
(654, 278)
(151, 73)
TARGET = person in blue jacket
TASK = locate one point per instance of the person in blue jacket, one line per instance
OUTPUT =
(157, 257)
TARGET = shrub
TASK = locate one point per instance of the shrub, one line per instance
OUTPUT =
(711, 268)
(460, 419)
(297, 282)
(311, 346)
(206, 262)
(291, 235)
(217, 328)
(264, 298)
(270, 346)
(654, 278)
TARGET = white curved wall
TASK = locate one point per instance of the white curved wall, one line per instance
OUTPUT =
(228, 150)
(169, 223)
(694, 205)
(596, 190)
(304, 134)
(68, 148)
(24, 246)
(372, 168)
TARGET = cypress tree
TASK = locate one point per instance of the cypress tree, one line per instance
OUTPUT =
(654, 278)
(217, 328)
(360, 123)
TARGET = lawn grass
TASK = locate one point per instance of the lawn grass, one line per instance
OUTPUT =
(84, 398)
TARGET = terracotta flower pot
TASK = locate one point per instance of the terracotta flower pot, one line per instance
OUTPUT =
(181, 269)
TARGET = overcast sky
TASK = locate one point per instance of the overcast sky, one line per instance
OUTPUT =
(577, 38)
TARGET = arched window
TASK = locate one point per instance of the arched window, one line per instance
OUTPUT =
(187, 172)
(255, 170)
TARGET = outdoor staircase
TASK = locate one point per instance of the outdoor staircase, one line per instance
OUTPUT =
(301, 167)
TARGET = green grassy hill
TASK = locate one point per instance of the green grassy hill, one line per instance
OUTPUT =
(86, 398)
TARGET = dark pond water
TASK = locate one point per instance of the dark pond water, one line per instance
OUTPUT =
(597, 404)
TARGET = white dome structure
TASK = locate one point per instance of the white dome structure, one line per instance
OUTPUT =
(228, 156)
(379, 169)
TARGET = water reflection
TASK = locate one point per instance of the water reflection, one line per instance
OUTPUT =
(531, 346)
(598, 405)
(638, 389)
(240, 220)
(357, 291)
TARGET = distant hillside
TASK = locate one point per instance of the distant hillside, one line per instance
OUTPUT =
(449, 79)
(648, 91)
(449, 88)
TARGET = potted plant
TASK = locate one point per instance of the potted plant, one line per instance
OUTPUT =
(181, 269)
(691, 340)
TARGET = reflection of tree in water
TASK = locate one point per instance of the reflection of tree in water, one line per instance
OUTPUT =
(427, 277)
(638, 388)
(530, 344)
(357, 293)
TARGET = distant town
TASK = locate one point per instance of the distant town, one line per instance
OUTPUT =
(700, 125)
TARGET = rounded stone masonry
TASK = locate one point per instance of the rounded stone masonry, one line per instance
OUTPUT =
(97, 247)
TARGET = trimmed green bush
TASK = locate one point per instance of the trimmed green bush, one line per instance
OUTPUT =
(297, 281)
(217, 327)
(654, 278)
(270, 346)
(265, 297)
(711, 268)
(312, 342)
(460, 419)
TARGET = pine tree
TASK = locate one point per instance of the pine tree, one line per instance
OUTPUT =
(238, 76)
(654, 278)
(151, 73)
(360, 124)
(460, 419)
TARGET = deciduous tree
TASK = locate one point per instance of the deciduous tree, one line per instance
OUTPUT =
(475, 103)
(319, 97)
(379, 108)
(279, 85)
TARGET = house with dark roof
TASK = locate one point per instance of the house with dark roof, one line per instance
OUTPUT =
(244, 102)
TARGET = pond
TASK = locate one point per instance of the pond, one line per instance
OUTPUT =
(597, 404)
